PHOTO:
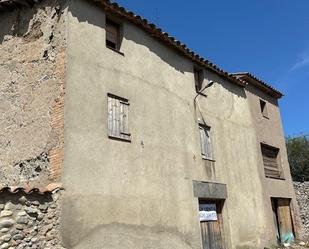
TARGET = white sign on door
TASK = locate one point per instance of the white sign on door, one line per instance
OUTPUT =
(208, 212)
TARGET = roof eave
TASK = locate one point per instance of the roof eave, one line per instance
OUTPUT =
(259, 84)
(157, 33)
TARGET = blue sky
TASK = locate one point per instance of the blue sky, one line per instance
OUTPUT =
(269, 38)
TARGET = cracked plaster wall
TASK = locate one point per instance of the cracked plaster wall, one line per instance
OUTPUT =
(32, 70)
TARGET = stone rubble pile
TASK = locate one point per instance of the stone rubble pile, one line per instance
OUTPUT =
(29, 221)
(302, 195)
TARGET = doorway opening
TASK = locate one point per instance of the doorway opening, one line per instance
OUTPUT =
(210, 213)
(283, 220)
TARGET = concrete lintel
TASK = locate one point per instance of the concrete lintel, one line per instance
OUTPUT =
(209, 190)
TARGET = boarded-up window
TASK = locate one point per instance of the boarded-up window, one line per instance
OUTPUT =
(263, 107)
(206, 144)
(198, 79)
(271, 161)
(118, 114)
(112, 35)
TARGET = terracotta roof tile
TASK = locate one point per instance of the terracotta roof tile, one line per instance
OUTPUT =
(115, 9)
(30, 190)
(246, 76)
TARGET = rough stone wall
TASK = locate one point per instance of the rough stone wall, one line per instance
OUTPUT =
(32, 71)
(302, 195)
(29, 221)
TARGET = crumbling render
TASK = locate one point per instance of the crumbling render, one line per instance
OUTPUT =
(32, 68)
(32, 168)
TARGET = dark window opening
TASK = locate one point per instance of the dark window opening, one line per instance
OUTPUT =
(112, 35)
(264, 110)
(198, 79)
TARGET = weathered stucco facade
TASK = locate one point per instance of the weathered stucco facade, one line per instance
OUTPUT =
(144, 193)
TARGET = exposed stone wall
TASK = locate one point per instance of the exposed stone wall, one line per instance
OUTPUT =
(32, 71)
(302, 195)
(30, 221)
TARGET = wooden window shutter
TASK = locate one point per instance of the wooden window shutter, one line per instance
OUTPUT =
(118, 117)
(112, 34)
(206, 145)
(203, 140)
(272, 167)
(198, 79)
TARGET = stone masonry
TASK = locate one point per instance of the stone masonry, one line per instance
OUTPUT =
(302, 195)
(29, 221)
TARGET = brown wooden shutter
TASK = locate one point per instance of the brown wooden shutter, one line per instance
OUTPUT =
(270, 161)
(198, 78)
(118, 111)
(112, 34)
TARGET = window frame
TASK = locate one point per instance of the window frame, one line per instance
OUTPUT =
(118, 38)
(264, 147)
(207, 130)
(123, 135)
(198, 74)
(264, 108)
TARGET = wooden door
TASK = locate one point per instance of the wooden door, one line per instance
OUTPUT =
(285, 220)
(211, 230)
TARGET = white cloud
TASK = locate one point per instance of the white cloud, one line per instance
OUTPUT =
(303, 60)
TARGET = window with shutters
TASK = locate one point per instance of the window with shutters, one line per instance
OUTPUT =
(118, 114)
(271, 161)
(112, 35)
(206, 144)
(198, 79)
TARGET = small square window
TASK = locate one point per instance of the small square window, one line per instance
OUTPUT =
(198, 79)
(112, 35)
(264, 110)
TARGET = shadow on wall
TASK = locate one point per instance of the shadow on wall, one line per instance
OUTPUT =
(25, 22)
(228, 86)
(166, 54)
(259, 93)
(91, 13)
(87, 12)
(114, 235)
(17, 22)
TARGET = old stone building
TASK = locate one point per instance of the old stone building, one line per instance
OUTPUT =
(116, 135)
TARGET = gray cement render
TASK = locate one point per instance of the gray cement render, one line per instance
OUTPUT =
(269, 131)
(140, 194)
